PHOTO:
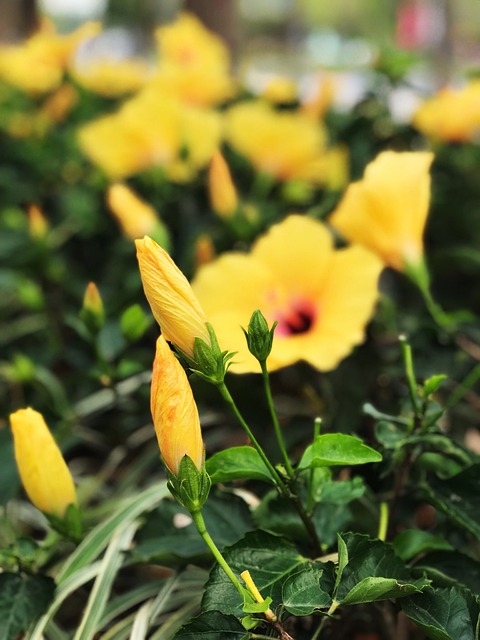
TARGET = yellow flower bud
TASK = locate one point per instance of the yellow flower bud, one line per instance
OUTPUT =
(37, 223)
(43, 471)
(174, 412)
(223, 195)
(173, 303)
(135, 216)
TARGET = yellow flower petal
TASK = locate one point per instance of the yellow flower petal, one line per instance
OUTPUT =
(174, 411)
(43, 471)
(387, 210)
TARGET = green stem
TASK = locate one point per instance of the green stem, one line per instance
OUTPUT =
(310, 497)
(409, 372)
(418, 273)
(273, 414)
(202, 530)
(282, 487)
(383, 523)
(225, 393)
(463, 387)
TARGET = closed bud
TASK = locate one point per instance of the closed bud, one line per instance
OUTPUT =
(93, 312)
(174, 412)
(223, 195)
(37, 223)
(43, 471)
(259, 336)
(173, 303)
(135, 216)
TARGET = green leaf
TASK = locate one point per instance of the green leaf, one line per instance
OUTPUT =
(375, 589)
(96, 541)
(451, 569)
(23, 599)
(411, 542)
(237, 463)
(459, 498)
(277, 515)
(373, 572)
(442, 614)
(302, 593)
(390, 434)
(268, 558)
(212, 625)
(334, 449)
(100, 592)
(432, 384)
(134, 322)
(340, 492)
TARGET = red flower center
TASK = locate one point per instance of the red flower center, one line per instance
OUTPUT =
(299, 318)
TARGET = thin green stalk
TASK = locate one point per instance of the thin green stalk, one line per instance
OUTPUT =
(202, 530)
(310, 497)
(273, 414)
(282, 487)
(463, 387)
(225, 393)
(409, 372)
(383, 523)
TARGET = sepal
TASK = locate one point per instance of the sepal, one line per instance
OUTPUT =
(70, 526)
(191, 486)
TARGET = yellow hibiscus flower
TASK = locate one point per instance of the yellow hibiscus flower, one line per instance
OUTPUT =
(37, 65)
(151, 130)
(322, 298)
(452, 115)
(386, 211)
(283, 145)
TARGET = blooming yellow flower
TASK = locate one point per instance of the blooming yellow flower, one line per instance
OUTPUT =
(43, 471)
(386, 211)
(174, 412)
(136, 217)
(151, 130)
(37, 65)
(187, 43)
(222, 192)
(284, 145)
(321, 298)
(453, 115)
(113, 78)
(194, 64)
(173, 303)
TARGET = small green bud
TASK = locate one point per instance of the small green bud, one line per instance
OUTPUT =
(259, 336)
(92, 312)
(191, 486)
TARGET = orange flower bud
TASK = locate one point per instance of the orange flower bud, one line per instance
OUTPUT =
(204, 250)
(43, 471)
(173, 303)
(37, 223)
(174, 412)
(223, 195)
